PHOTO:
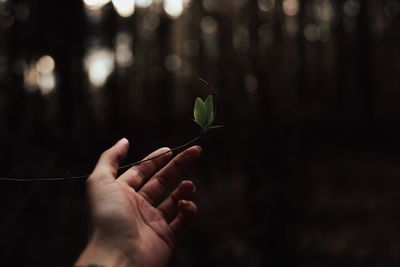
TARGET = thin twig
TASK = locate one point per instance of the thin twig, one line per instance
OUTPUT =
(211, 87)
(87, 175)
(166, 152)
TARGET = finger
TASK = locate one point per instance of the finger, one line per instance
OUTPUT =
(108, 164)
(186, 216)
(169, 207)
(136, 175)
(154, 189)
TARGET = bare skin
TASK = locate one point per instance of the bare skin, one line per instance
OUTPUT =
(134, 224)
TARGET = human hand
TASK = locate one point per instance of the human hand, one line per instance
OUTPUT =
(133, 225)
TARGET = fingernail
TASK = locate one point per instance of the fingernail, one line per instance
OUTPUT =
(123, 141)
(185, 203)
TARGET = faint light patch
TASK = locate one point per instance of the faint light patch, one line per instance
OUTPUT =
(22, 11)
(291, 26)
(251, 83)
(99, 64)
(312, 32)
(123, 50)
(241, 39)
(378, 20)
(143, 3)
(173, 63)
(94, 15)
(6, 17)
(95, 4)
(30, 78)
(210, 5)
(209, 25)
(324, 11)
(351, 8)
(291, 7)
(265, 35)
(124, 8)
(191, 48)
(266, 5)
(5, 10)
(209, 28)
(151, 21)
(173, 8)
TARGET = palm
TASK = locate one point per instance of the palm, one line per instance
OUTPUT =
(132, 211)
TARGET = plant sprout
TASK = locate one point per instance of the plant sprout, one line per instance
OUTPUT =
(204, 114)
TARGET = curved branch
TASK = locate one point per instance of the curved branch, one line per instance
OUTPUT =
(87, 175)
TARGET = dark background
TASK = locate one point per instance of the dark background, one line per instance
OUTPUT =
(306, 171)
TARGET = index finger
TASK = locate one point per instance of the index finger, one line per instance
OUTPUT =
(154, 189)
(138, 174)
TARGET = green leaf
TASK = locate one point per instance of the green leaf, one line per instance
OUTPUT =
(210, 110)
(200, 113)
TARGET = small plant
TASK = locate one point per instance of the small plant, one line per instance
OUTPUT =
(204, 111)
(204, 115)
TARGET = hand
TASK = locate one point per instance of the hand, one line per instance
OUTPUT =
(133, 225)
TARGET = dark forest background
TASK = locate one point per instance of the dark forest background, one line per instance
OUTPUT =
(306, 171)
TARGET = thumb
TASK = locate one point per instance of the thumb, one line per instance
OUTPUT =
(108, 164)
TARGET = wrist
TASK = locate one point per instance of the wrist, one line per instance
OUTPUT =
(99, 254)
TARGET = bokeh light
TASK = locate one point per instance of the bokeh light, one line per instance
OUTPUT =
(351, 8)
(99, 64)
(95, 4)
(291, 7)
(251, 83)
(266, 5)
(30, 77)
(241, 39)
(40, 75)
(208, 25)
(22, 11)
(173, 63)
(173, 8)
(45, 64)
(124, 8)
(123, 49)
(143, 3)
(312, 32)
(151, 21)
